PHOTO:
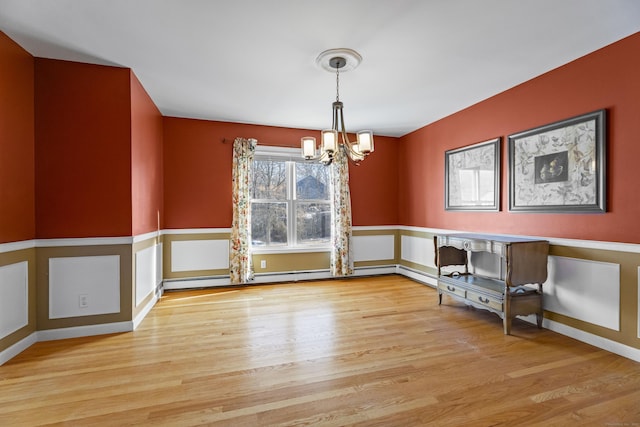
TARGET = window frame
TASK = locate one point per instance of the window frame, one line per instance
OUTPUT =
(291, 156)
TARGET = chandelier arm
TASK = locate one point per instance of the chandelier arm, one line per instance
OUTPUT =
(354, 155)
(325, 158)
(343, 129)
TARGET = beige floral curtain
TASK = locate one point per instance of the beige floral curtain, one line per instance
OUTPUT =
(341, 255)
(240, 262)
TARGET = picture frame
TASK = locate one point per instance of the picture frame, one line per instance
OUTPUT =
(472, 177)
(559, 167)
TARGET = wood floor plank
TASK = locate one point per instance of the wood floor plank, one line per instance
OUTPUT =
(375, 351)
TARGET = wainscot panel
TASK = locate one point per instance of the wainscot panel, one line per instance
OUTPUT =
(585, 290)
(417, 251)
(84, 286)
(17, 297)
(373, 248)
(67, 274)
(195, 253)
(14, 297)
(148, 272)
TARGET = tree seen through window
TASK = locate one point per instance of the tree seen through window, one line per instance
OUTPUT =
(290, 203)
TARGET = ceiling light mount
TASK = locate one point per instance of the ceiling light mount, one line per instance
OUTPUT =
(342, 58)
(336, 60)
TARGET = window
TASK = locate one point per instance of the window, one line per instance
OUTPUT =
(290, 203)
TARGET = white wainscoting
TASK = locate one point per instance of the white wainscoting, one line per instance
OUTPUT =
(373, 248)
(584, 290)
(159, 265)
(148, 271)
(195, 255)
(486, 264)
(419, 250)
(95, 279)
(14, 297)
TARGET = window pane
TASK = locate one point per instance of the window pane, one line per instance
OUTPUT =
(312, 181)
(268, 224)
(313, 223)
(269, 180)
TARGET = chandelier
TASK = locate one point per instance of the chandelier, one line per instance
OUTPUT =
(336, 138)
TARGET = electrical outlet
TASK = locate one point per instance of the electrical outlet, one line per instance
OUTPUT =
(263, 263)
(83, 300)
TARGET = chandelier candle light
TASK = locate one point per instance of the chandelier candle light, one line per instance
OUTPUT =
(336, 137)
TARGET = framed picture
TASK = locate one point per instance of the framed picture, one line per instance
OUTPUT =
(472, 177)
(559, 167)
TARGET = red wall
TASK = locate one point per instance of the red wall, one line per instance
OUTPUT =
(374, 185)
(146, 161)
(99, 167)
(83, 150)
(17, 174)
(607, 78)
(197, 173)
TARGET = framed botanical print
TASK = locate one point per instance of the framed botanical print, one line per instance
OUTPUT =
(560, 167)
(472, 177)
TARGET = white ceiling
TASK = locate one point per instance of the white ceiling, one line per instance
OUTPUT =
(253, 61)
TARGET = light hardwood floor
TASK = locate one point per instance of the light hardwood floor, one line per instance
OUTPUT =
(366, 351)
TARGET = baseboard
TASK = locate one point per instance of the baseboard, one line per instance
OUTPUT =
(417, 275)
(261, 278)
(63, 333)
(77, 331)
(195, 282)
(17, 348)
(375, 271)
(84, 331)
(147, 308)
(212, 282)
(596, 341)
(294, 276)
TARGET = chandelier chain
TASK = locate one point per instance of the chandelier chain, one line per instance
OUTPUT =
(337, 84)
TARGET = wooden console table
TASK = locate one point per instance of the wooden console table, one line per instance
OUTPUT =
(516, 289)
